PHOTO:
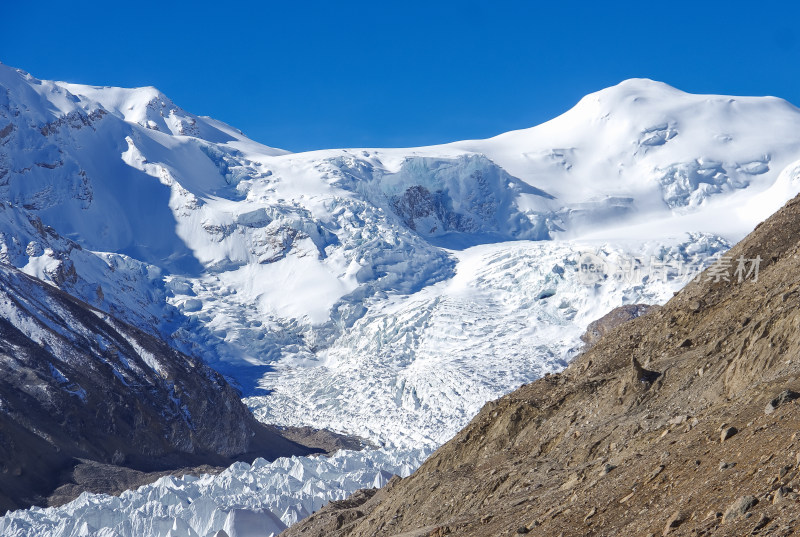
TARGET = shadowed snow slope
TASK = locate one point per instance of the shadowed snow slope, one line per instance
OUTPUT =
(371, 290)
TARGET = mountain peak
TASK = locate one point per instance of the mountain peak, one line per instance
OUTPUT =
(643, 85)
(640, 91)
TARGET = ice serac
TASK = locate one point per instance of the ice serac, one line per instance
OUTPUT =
(246, 500)
(384, 276)
(75, 383)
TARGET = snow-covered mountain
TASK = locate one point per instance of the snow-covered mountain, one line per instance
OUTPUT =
(383, 292)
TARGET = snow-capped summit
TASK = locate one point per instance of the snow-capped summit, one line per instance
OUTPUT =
(383, 292)
(654, 142)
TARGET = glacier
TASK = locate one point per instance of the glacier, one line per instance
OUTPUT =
(416, 368)
(387, 293)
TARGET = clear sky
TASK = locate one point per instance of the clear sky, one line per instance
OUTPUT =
(311, 75)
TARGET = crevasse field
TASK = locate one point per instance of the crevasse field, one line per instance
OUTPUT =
(386, 293)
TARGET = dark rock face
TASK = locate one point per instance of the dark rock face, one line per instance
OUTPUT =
(418, 206)
(640, 435)
(77, 383)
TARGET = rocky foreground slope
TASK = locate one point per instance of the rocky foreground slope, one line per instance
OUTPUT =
(78, 388)
(680, 422)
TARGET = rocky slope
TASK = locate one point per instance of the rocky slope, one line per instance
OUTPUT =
(75, 383)
(680, 422)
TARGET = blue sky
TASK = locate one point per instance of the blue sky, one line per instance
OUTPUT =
(312, 75)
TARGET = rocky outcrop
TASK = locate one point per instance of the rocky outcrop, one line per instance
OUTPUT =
(597, 329)
(430, 213)
(75, 383)
(660, 428)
